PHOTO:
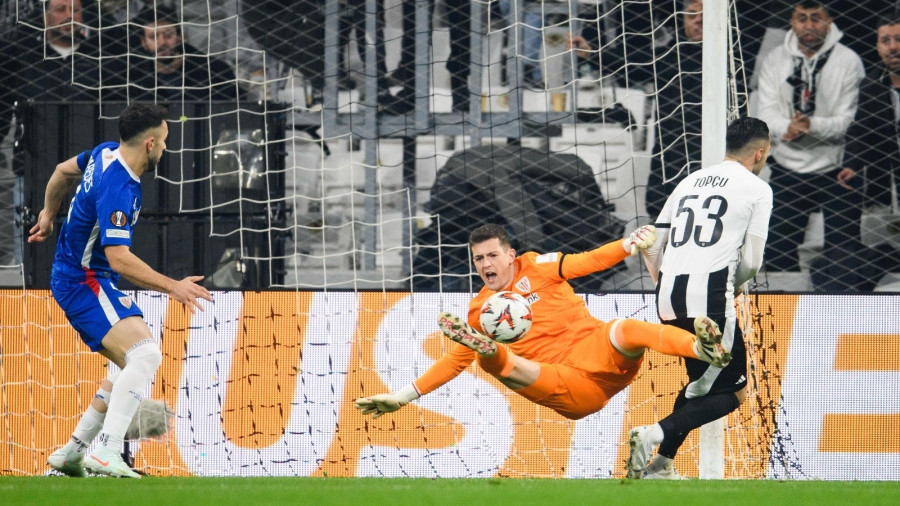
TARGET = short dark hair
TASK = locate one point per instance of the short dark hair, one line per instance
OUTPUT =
(744, 131)
(156, 15)
(487, 232)
(809, 5)
(888, 21)
(138, 118)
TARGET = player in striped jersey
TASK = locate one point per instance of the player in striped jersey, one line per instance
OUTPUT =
(712, 233)
(569, 361)
(91, 255)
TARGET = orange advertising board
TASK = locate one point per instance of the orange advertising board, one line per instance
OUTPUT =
(264, 383)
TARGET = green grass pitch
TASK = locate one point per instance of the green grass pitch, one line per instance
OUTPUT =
(396, 492)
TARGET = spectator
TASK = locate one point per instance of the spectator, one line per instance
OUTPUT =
(166, 68)
(808, 89)
(597, 55)
(872, 148)
(58, 63)
(872, 137)
(679, 85)
(856, 18)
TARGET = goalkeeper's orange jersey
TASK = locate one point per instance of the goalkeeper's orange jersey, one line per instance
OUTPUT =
(560, 317)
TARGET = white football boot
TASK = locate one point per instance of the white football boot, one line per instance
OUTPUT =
(67, 462)
(640, 449)
(665, 472)
(105, 461)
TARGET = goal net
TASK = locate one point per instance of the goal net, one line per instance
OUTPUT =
(326, 161)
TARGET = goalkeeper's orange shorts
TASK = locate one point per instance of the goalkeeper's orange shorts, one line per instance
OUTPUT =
(591, 375)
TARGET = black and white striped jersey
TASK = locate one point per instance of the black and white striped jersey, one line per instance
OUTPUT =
(708, 217)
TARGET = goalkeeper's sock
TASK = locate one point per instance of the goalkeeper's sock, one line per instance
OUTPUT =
(693, 414)
(498, 364)
(631, 337)
(141, 363)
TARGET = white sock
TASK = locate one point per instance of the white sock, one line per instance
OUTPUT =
(89, 425)
(655, 434)
(660, 463)
(87, 429)
(141, 363)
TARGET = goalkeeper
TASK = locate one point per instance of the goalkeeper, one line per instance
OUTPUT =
(92, 253)
(569, 361)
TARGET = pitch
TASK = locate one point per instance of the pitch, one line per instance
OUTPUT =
(494, 491)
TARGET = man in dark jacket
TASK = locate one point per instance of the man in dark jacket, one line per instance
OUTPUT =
(873, 139)
(872, 152)
(59, 63)
(166, 68)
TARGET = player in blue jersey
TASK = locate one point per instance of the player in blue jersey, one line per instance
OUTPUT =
(91, 255)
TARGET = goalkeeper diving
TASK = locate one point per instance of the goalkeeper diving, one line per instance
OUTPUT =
(569, 361)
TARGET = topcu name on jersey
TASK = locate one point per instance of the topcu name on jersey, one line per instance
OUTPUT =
(714, 181)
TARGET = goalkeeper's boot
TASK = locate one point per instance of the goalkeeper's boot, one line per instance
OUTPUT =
(639, 451)
(105, 461)
(662, 472)
(708, 345)
(67, 462)
(461, 332)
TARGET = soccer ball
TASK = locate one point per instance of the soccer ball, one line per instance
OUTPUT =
(506, 317)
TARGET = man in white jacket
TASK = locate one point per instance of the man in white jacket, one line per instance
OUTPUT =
(808, 94)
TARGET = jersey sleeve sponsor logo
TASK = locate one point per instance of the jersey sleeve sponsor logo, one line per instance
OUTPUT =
(118, 219)
(89, 175)
(523, 285)
(546, 258)
(136, 211)
(118, 233)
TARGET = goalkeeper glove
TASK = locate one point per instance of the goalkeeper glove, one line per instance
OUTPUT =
(380, 404)
(640, 239)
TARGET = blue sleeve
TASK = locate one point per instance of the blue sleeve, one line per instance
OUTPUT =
(82, 160)
(117, 204)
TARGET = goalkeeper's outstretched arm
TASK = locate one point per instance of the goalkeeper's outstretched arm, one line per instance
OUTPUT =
(441, 372)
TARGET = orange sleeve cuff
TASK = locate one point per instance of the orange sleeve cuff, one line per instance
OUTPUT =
(599, 259)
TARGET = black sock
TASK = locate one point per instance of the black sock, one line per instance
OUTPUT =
(690, 414)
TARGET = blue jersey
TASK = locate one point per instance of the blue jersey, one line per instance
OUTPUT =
(103, 213)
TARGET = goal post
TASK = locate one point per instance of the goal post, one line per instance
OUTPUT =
(716, 84)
